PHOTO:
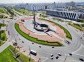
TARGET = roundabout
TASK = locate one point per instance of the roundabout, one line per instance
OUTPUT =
(47, 37)
(44, 51)
(41, 31)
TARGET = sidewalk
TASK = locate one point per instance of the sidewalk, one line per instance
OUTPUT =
(6, 44)
(26, 52)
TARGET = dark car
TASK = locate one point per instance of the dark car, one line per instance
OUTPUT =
(59, 54)
(70, 54)
(57, 57)
(51, 58)
(33, 52)
(81, 59)
(51, 55)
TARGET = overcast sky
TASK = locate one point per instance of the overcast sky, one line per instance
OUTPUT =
(37, 1)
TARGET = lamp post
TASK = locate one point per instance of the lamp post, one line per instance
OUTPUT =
(70, 54)
(34, 21)
(29, 54)
(0, 35)
(16, 53)
(81, 31)
(65, 58)
(15, 43)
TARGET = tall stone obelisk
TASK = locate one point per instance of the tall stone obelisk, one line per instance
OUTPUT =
(34, 15)
(34, 19)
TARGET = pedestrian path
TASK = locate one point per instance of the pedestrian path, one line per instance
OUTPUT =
(4, 46)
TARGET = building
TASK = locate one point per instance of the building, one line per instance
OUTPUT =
(36, 6)
(72, 15)
(69, 10)
(40, 6)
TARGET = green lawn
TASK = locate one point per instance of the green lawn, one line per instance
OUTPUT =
(35, 39)
(2, 25)
(43, 15)
(3, 36)
(82, 21)
(24, 11)
(7, 56)
(58, 19)
(77, 26)
(2, 10)
(68, 35)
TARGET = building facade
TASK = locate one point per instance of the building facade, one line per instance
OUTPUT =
(62, 10)
(72, 15)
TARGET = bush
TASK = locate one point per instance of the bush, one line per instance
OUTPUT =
(77, 26)
(3, 35)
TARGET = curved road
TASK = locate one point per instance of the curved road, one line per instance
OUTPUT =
(45, 51)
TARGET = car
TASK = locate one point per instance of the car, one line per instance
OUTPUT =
(32, 43)
(81, 59)
(70, 54)
(59, 54)
(22, 41)
(57, 57)
(39, 46)
(52, 46)
(52, 55)
(33, 52)
(51, 58)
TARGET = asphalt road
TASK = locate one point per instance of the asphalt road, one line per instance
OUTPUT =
(45, 51)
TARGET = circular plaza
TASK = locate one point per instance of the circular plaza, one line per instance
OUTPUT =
(42, 32)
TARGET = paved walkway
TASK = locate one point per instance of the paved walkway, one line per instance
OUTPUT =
(4, 46)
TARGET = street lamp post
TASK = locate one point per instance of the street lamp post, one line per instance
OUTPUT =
(29, 54)
(15, 43)
(16, 53)
(82, 29)
(0, 35)
(65, 58)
